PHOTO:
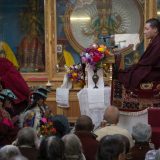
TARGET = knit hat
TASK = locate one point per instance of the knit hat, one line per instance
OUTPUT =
(7, 93)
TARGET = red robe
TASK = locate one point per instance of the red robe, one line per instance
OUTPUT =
(146, 70)
(11, 79)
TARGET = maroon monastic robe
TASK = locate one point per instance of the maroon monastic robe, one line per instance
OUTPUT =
(11, 79)
(146, 70)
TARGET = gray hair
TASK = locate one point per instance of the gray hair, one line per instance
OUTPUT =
(141, 132)
(8, 152)
(73, 147)
(27, 136)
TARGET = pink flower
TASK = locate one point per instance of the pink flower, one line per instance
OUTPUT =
(44, 120)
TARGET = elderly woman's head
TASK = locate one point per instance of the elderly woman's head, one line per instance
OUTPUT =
(141, 132)
(27, 136)
(73, 147)
(51, 147)
(8, 152)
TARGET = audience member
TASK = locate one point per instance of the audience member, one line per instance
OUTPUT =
(73, 147)
(27, 142)
(8, 131)
(141, 133)
(36, 110)
(9, 151)
(61, 125)
(111, 117)
(9, 97)
(51, 148)
(83, 129)
(110, 148)
(42, 151)
(125, 141)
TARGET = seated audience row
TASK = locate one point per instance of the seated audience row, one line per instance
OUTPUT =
(109, 140)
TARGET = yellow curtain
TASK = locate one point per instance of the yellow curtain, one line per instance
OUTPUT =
(68, 58)
(9, 54)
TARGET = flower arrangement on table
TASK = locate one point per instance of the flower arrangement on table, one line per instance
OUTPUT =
(95, 55)
(75, 73)
(47, 127)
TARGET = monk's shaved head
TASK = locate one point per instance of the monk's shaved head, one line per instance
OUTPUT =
(111, 115)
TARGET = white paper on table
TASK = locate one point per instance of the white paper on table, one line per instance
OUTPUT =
(124, 40)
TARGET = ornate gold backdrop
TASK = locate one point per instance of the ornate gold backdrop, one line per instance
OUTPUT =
(51, 73)
(83, 24)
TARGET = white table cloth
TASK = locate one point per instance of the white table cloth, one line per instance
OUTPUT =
(93, 102)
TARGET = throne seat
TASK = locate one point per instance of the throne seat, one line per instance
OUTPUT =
(147, 90)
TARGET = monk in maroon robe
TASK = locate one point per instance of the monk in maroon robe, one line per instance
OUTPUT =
(148, 67)
(11, 78)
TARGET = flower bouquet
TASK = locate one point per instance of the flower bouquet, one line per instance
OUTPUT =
(47, 127)
(75, 74)
(95, 55)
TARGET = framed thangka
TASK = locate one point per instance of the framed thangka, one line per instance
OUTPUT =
(22, 30)
(83, 22)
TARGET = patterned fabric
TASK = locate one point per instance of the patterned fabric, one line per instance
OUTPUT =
(139, 100)
(34, 116)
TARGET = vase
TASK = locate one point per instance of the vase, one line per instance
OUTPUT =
(77, 85)
(95, 78)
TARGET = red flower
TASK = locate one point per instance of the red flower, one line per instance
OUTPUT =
(96, 58)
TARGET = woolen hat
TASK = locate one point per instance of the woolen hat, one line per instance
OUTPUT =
(41, 91)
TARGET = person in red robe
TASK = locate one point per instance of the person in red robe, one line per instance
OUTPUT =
(12, 79)
(148, 67)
